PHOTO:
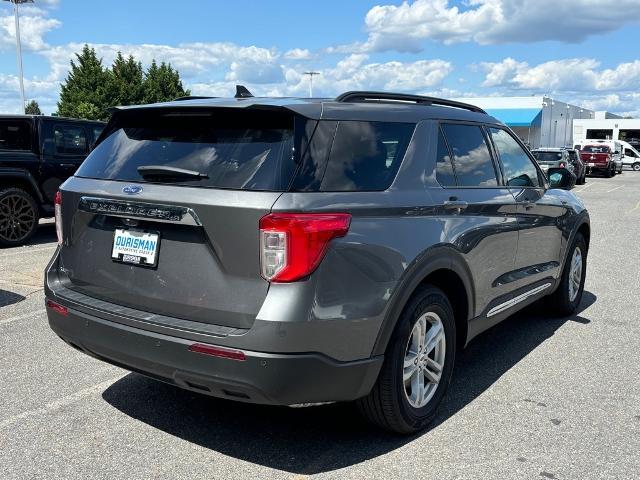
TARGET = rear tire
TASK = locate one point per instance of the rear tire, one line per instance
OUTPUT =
(407, 406)
(19, 215)
(609, 172)
(567, 297)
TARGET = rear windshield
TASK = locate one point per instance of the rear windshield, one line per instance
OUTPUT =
(231, 149)
(548, 156)
(596, 149)
(252, 150)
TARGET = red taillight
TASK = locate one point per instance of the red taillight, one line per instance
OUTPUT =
(56, 307)
(57, 205)
(217, 351)
(293, 244)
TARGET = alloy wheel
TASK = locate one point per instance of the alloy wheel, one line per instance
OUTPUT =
(424, 359)
(575, 274)
(17, 218)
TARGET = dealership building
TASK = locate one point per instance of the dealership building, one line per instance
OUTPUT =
(608, 127)
(539, 121)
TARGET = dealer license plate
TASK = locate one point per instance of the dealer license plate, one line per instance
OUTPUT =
(135, 247)
(590, 164)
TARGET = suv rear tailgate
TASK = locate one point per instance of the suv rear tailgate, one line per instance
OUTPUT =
(208, 267)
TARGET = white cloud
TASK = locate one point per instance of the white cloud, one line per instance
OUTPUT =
(406, 26)
(33, 26)
(255, 72)
(350, 73)
(298, 54)
(581, 81)
(566, 75)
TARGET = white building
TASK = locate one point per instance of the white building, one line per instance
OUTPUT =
(627, 129)
(539, 121)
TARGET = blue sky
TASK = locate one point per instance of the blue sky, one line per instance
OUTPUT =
(583, 51)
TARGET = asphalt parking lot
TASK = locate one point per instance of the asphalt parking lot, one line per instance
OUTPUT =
(532, 398)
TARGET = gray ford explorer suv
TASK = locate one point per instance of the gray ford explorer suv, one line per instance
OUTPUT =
(298, 251)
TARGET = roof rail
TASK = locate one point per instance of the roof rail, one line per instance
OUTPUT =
(364, 96)
(191, 97)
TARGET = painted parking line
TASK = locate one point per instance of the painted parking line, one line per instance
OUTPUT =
(57, 404)
(584, 188)
(24, 250)
(614, 189)
(22, 317)
(634, 208)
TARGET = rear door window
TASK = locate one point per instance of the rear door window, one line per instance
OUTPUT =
(365, 156)
(69, 140)
(519, 170)
(472, 160)
(444, 167)
(15, 135)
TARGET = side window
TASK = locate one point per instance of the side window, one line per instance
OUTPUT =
(365, 156)
(471, 157)
(629, 153)
(15, 135)
(96, 132)
(519, 170)
(444, 167)
(69, 140)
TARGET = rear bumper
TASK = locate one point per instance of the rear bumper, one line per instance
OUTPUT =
(278, 379)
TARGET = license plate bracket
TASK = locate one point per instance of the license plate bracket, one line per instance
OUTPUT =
(136, 247)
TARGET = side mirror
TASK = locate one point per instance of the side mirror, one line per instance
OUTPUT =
(561, 178)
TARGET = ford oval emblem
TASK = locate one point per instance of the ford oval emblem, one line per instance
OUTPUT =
(132, 189)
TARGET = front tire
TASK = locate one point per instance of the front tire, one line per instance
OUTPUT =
(567, 297)
(417, 367)
(19, 217)
(636, 167)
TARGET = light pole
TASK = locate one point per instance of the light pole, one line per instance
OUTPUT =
(566, 124)
(550, 105)
(18, 46)
(311, 74)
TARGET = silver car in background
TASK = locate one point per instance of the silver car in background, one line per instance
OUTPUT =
(559, 158)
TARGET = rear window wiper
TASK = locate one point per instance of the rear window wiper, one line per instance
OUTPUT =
(167, 173)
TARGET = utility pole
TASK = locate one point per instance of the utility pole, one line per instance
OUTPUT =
(311, 74)
(19, 47)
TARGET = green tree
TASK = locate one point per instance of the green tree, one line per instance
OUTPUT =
(84, 92)
(125, 82)
(162, 83)
(32, 108)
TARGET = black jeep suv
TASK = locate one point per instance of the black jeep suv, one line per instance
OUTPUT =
(37, 154)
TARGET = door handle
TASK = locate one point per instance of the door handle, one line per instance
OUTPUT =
(457, 205)
(67, 165)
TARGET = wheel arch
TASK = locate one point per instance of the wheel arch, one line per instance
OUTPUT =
(444, 268)
(585, 230)
(14, 177)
